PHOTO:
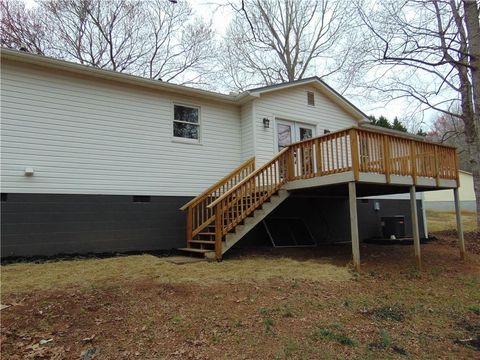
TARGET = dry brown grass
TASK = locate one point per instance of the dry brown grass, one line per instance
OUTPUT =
(445, 220)
(90, 273)
(143, 307)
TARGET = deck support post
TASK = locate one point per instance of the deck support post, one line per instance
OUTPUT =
(218, 232)
(461, 241)
(415, 231)
(352, 200)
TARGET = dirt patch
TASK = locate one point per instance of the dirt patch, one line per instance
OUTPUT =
(450, 237)
(259, 307)
(472, 328)
(393, 312)
(181, 260)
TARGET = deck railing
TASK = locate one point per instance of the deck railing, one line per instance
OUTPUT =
(199, 215)
(324, 155)
(396, 155)
(357, 150)
(248, 195)
(372, 151)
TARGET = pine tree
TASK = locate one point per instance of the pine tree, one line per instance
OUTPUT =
(397, 125)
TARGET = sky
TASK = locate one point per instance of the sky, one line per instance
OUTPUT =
(220, 14)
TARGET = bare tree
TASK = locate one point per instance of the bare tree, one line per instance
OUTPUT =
(20, 27)
(156, 38)
(450, 130)
(177, 43)
(96, 33)
(274, 41)
(427, 51)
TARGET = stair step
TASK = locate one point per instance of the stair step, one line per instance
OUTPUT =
(194, 250)
(201, 242)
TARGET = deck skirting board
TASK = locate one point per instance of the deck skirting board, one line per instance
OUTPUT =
(370, 178)
(448, 183)
(339, 178)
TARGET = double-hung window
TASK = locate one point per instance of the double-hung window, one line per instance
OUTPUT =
(186, 122)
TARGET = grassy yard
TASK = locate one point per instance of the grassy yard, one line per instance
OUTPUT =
(266, 304)
(443, 220)
(92, 273)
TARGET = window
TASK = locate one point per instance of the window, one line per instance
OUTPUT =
(186, 122)
(311, 98)
(305, 133)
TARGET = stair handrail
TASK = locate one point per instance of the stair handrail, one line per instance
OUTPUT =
(248, 163)
(249, 177)
(198, 215)
(248, 195)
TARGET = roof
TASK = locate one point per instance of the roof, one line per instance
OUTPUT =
(45, 61)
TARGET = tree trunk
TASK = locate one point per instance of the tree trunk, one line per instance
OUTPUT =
(473, 144)
(472, 120)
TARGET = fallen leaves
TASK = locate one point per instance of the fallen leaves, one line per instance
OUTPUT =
(216, 320)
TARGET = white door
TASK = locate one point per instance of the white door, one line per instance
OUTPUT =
(290, 131)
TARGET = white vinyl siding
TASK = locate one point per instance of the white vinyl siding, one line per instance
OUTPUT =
(246, 118)
(291, 104)
(90, 136)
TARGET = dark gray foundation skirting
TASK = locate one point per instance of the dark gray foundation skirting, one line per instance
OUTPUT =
(45, 224)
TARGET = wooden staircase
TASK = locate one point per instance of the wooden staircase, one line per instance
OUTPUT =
(204, 242)
(221, 215)
(224, 213)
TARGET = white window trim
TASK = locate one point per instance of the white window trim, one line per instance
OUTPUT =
(183, 140)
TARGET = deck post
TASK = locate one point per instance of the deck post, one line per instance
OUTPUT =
(386, 157)
(355, 155)
(415, 232)
(413, 156)
(189, 228)
(461, 241)
(218, 232)
(352, 199)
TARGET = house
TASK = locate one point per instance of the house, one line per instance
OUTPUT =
(98, 161)
(442, 200)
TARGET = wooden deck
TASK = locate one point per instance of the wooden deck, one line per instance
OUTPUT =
(425, 183)
(354, 155)
(374, 156)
